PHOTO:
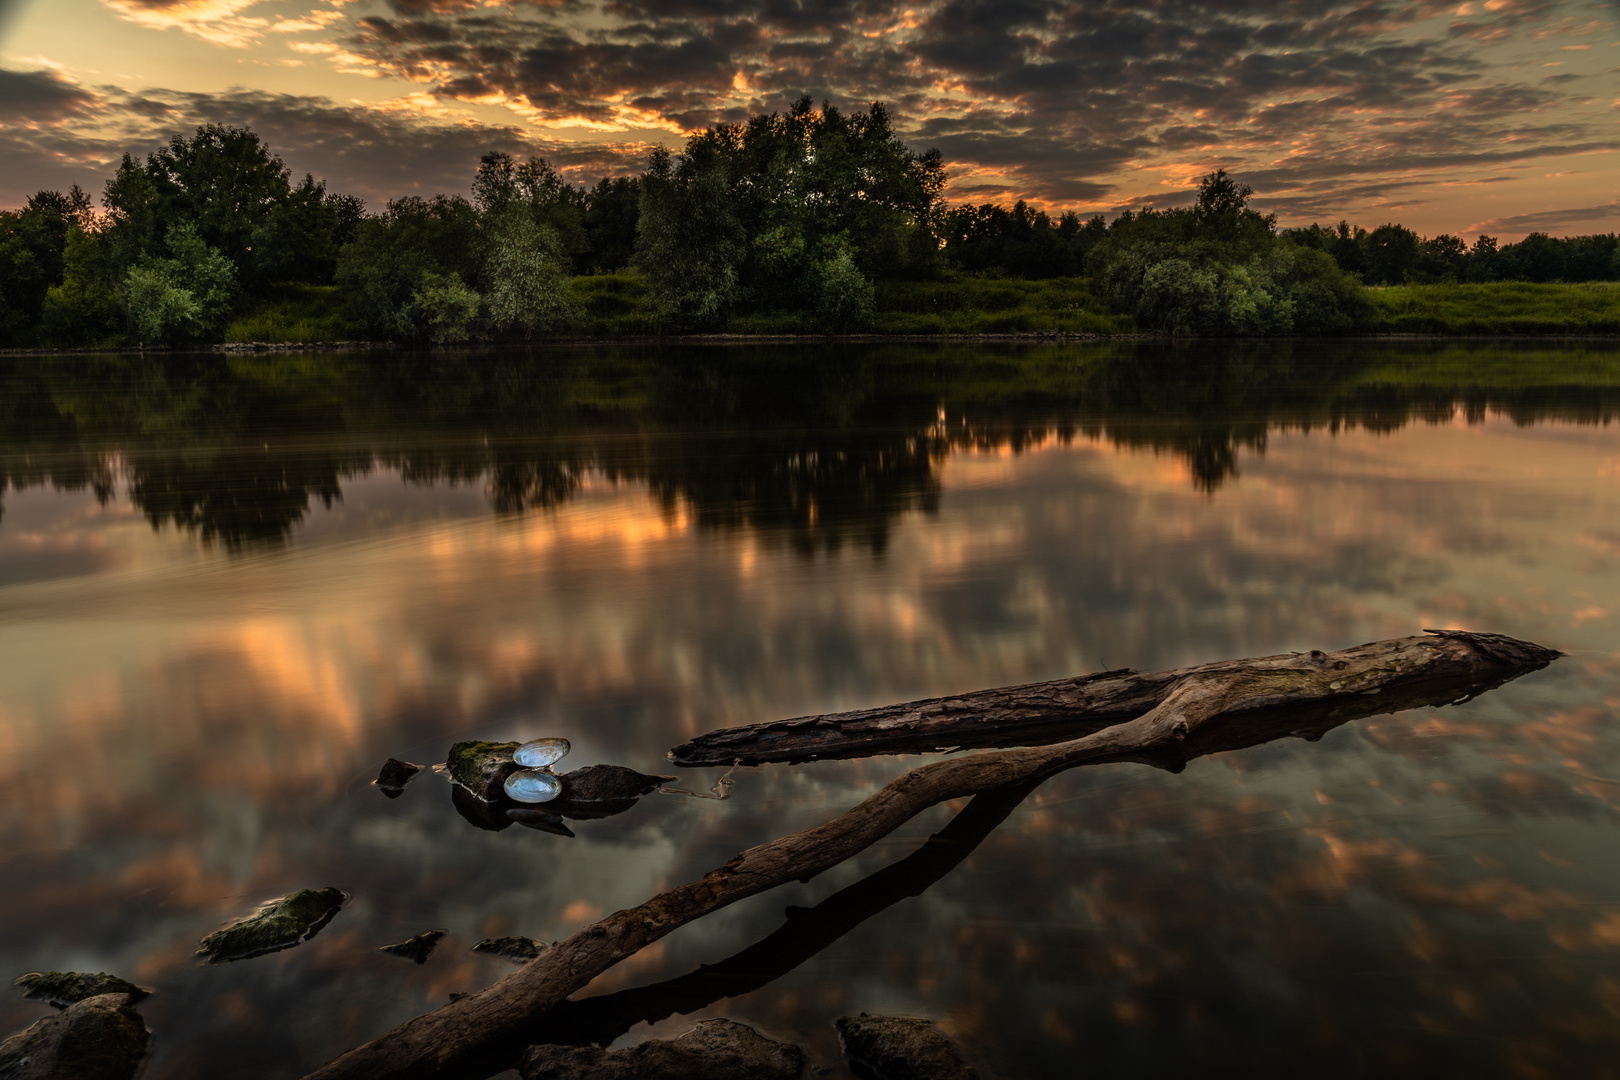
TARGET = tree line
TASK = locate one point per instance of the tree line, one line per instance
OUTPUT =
(806, 211)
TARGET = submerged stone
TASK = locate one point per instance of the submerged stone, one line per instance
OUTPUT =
(481, 767)
(517, 950)
(541, 820)
(415, 949)
(394, 776)
(900, 1048)
(64, 988)
(714, 1050)
(99, 1038)
(278, 925)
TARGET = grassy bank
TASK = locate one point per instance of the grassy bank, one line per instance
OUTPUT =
(293, 313)
(622, 305)
(614, 305)
(1498, 307)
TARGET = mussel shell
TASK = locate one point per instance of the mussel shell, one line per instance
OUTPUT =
(532, 786)
(539, 753)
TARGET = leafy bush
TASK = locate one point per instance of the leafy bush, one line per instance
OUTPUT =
(528, 286)
(444, 307)
(843, 295)
(187, 295)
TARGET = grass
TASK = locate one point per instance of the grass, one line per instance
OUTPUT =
(995, 306)
(293, 313)
(614, 305)
(1499, 307)
(622, 305)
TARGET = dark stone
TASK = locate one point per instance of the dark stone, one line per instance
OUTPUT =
(900, 1048)
(278, 925)
(714, 1050)
(64, 988)
(99, 1038)
(543, 820)
(481, 767)
(394, 776)
(599, 791)
(416, 949)
(607, 783)
(518, 950)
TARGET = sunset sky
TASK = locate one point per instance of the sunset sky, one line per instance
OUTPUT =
(1500, 117)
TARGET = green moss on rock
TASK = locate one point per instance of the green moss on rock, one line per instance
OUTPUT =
(480, 767)
(278, 925)
(63, 988)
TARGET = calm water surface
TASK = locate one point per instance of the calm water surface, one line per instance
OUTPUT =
(231, 588)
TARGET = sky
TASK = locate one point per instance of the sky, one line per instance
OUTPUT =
(1498, 117)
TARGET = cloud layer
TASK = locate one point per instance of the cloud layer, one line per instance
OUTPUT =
(1328, 107)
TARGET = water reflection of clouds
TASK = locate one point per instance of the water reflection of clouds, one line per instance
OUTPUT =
(184, 739)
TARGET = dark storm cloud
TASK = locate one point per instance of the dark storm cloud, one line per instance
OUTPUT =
(40, 96)
(364, 151)
(1051, 98)
(1603, 218)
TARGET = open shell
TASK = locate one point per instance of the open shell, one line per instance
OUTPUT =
(541, 753)
(533, 786)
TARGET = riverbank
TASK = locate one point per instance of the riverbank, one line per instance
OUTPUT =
(621, 307)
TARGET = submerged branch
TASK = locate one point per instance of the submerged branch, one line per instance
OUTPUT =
(1209, 709)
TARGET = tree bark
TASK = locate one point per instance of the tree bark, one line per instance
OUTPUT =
(1040, 714)
(1208, 709)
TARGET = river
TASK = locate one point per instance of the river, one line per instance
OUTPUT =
(232, 587)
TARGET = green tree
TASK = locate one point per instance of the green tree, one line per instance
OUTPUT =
(527, 273)
(84, 308)
(381, 270)
(844, 297)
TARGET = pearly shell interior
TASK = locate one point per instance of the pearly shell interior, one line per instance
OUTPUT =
(533, 786)
(541, 753)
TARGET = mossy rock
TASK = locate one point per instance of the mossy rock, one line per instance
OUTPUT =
(99, 1038)
(481, 767)
(64, 988)
(278, 925)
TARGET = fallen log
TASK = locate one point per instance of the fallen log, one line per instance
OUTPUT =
(473, 1036)
(1041, 714)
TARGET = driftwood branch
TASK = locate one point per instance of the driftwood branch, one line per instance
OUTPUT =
(601, 1020)
(1209, 709)
(1040, 714)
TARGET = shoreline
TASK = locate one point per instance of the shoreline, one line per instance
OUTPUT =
(1026, 337)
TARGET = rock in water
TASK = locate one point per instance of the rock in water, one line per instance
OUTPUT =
(481, 767)
(518, 950)
(416, 949)
(532, 786)
(99, 1038)
(608, 783)
(64, 988)
(394, 776)
(541, 753)
(278, 925)
(900, 1048)
(714, 1050)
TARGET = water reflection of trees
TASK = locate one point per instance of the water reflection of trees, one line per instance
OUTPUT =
(816, 446)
